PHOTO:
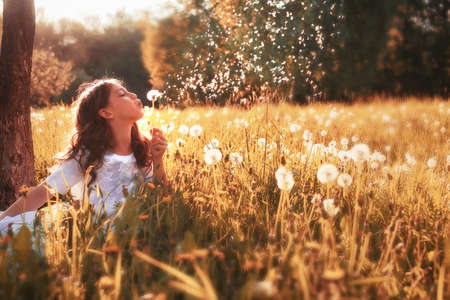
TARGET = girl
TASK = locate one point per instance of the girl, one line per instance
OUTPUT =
(106, 138)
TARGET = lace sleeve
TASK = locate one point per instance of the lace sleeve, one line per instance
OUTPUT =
(65, 176)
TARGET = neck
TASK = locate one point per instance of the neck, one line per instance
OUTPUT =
(122, 138)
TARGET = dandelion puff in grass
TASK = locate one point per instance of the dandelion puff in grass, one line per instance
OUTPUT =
(432, 163)
(410, 159)
(344, 142)
(294, 128)
(261, 142)
(323, 132)
(196, 130)
(330, 208)
(180, 142)
(235, 158)
(360, 152)
(213, 156)
(285, 179)
(307, 135)
(184, 130)
(327, 173)
(264, 289)
(344, 180)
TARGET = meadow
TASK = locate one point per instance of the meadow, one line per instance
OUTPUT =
(326, 201)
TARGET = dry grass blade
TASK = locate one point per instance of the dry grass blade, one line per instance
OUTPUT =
(171, 270)
(187, 289)
(210, 292)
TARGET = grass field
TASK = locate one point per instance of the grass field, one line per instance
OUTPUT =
(275, 202)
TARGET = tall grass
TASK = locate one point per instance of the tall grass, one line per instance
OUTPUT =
(223, 233)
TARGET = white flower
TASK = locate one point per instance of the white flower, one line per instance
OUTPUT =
(327, 173)
(307, 135)
(330, 209)
(432, 163)
(180, 142)
(323, 132)
(264, 289)
(213, 156)
(344, 180)
(360, 152)
(261, 142)
(344, 156)
(410, 159)
(374, 165)
(235, 158)
(183, 129)
(285, 179)
(378, 156)
(294, 127)
(196, 130)
(214, 143)
(316, 199)
(153, 94)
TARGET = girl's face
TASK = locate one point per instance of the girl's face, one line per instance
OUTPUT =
(122, 105)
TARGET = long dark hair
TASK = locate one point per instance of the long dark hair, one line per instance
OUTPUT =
(93, 136)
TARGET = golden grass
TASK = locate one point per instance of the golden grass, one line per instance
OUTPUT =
(227, 231)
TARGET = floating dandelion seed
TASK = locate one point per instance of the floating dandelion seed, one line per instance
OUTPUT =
(183, 130)
(213, 156)
(344, 180)
(327, 173)
(285, 179)
(196, 130)
(360, 152)
(432, 163)
(330, 208)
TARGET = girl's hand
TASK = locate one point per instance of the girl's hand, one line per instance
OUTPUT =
(158, 144)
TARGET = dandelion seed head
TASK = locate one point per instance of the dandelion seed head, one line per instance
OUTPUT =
(344, 180)
(285, 179)
(327, 173)
(213, 156)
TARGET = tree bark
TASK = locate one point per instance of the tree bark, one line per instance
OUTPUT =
(16, 144)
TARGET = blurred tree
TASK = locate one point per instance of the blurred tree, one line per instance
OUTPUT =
(16, 144)
(417, 54)
(113, 50)
(234, 44)
(49, 76)
(364, 35)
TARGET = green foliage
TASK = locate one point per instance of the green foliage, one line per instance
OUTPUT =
(49, 77)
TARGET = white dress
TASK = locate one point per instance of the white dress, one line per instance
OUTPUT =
(117, 172)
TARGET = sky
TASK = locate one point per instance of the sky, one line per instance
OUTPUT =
(80, 9)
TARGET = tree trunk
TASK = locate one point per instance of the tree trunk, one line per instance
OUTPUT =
(16, 144)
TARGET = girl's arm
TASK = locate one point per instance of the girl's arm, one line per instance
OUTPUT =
(31, 201)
